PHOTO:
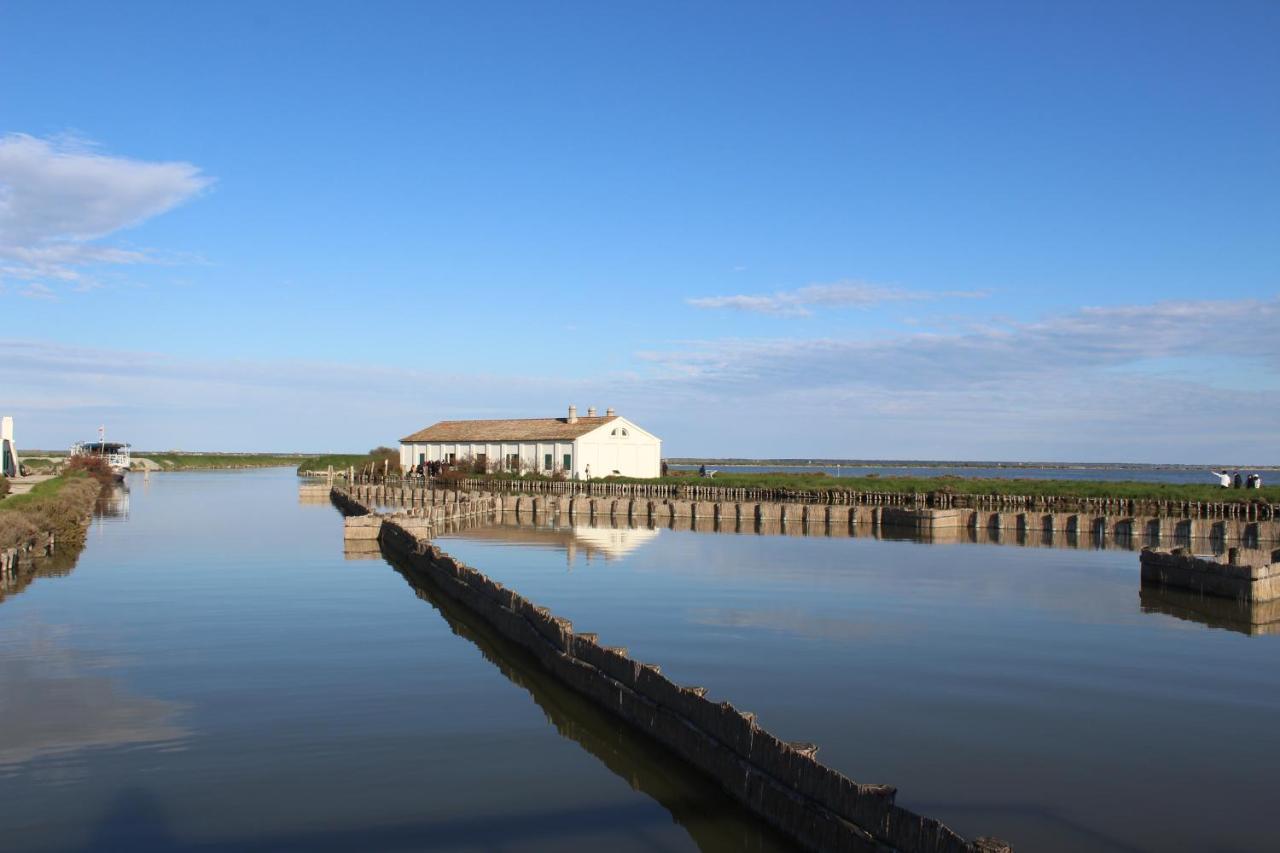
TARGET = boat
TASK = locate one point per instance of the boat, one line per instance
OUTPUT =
(115, 453)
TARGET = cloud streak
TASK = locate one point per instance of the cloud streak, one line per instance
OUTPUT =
(1170, 381)
(58, 197)
(802, 301)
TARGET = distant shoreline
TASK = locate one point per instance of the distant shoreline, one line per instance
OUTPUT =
(735, 462)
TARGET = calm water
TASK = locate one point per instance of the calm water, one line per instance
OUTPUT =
(1031, 693)
(214, 675)
(1141, 475)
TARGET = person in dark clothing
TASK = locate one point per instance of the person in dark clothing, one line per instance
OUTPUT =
(702, 470)
(1236, 480)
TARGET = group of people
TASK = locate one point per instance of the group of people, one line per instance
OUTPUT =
(427, 469)
(1234, 480)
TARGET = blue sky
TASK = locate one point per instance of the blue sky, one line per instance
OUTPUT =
(981, 230)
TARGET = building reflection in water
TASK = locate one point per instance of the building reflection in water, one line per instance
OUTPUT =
(589, 542)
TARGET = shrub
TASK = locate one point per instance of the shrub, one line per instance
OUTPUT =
(454, 476)
(95, 466)
(16, 529)
(4, 486)
(56, 506)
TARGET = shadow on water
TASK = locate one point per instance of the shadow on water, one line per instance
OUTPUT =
(1243, 617)
(713, 820)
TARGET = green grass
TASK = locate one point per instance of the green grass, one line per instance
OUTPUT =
(40, 491)
(343, 461)
(205, 461)
(1127, 489)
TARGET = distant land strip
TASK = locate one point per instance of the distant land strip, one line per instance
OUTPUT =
(735, 461)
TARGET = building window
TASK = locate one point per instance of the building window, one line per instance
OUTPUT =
(546, 462)
(422, 457)
(620, 432)
(568, 462)
(453, 457)
(513, 461)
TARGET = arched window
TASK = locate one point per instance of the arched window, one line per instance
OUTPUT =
(619, 432)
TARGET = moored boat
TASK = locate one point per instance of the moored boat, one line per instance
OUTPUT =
(114, 453)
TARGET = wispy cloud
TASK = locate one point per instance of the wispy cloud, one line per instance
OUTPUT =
(1087, 339)
(842, 294)
(58, 197)
(1169, 381)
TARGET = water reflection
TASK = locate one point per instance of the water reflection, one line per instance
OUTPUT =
(113, 503)
(111, 506)
(58, 700)
(600, 541)
(713, 820)
(611, 538)
(1245, 617)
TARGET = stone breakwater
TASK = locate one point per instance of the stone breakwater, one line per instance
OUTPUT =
(1248, 575)
(928, 523)
(1249, 510)
(783, 782)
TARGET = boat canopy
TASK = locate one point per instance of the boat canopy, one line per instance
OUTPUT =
(101, 447)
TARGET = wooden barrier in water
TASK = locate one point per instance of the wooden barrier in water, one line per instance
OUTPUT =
(929, 524)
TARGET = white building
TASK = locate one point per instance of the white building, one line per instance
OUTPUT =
(589, 446)
(10, 464)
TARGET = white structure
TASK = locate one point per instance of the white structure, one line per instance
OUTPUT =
(589, 446)
(10, 464)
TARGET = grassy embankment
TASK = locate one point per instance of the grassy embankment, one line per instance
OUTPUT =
(45, 461)
(207, 461)
(359, 461)
(59, 506)
(819, 482)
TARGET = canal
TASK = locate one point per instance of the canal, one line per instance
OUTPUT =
(214, 673)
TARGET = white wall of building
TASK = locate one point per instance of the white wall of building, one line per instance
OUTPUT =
(533, 454)
(619, 446)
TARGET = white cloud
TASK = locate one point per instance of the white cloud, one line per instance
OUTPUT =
(57, 197)
(843, 294)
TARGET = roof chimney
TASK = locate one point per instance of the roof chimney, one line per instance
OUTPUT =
(591, 411)
(573, 414)
(609, 412)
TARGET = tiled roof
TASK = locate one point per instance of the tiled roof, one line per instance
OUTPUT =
(524, 429)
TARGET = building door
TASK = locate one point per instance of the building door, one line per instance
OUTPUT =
(546, 462)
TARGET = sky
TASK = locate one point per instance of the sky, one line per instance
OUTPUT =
(1022, 231)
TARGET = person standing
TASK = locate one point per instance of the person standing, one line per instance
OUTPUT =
(1224, 479)
(1236, 481)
